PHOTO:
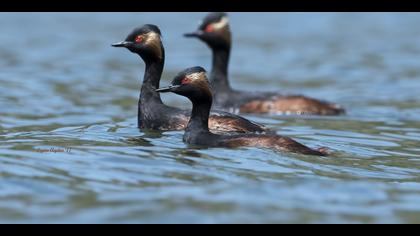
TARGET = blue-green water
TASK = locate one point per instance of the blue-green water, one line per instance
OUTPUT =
(64, 88)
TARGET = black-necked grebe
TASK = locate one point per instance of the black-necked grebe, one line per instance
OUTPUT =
(192, 83)
(152, 113)
(215, 32)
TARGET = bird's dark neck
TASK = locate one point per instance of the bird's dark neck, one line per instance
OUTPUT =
(151, 80)
(199, 121)
(219, 71)
(150, 100)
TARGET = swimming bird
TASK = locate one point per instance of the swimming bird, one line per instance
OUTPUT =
(193, 84)
(215, 32)
(146, 42)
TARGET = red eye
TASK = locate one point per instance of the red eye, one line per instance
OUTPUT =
(209, 28)
(185, 80)
(139, 39)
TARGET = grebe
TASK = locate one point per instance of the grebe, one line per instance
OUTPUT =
(192, 83)
(215, 32)
(152, 113)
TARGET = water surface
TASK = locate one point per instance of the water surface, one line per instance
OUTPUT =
(70, 150)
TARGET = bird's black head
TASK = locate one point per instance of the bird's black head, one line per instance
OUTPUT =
(145, 41)
(191, 83)
(214, 30)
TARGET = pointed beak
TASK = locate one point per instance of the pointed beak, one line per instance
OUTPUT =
(168, 89)
(195, 34)
(121, 44)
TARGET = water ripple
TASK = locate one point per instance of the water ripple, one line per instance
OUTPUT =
(70, 150)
